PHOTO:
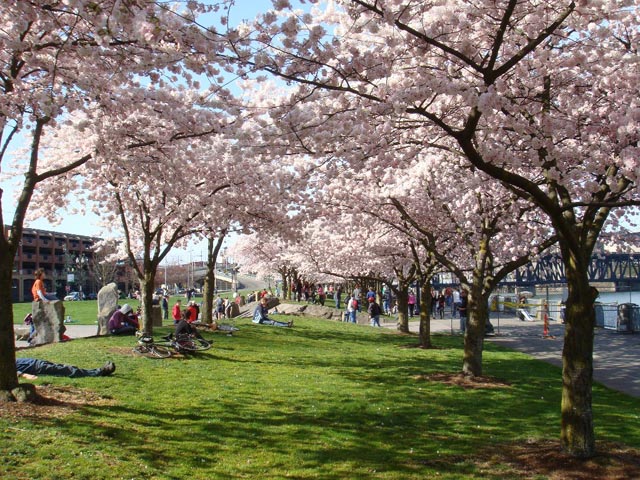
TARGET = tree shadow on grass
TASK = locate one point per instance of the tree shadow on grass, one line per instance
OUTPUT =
(332, 408)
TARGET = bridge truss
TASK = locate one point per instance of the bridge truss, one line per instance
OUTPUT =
(618, 268)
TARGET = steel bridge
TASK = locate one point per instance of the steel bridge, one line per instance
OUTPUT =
(622, 269)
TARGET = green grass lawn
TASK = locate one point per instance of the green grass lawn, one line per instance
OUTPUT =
(324, 400)
(85, 312)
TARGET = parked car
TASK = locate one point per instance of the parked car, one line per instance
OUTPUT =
(72, 297)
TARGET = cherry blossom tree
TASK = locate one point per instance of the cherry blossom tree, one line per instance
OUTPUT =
(540, 96)
(59, 58)
(265, 254)
(478, 231)
(352, 245)
(170, 187)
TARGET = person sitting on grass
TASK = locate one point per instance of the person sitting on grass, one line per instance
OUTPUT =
(28, 320)
(193, 312)
(183, 327)
(30, 368)
(260, 315)
(123, 321)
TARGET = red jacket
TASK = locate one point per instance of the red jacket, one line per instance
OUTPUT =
(176, 313)
(193, 314)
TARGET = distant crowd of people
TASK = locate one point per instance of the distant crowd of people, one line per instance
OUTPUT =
(125, 321)
(384, 302)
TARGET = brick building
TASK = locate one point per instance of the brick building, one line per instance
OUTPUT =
(66, 258)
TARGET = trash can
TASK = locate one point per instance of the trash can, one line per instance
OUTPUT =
(635, 319)
(624, 322)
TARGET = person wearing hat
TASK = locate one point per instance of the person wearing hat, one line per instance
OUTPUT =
(123, 321)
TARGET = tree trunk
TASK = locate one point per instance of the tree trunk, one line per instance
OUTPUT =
(478, 312)
(147, 287)
(213, 249)
(577, 435)
(425, 314)
(402, 297)
(285, 286)
(209, 284)
(8, 374)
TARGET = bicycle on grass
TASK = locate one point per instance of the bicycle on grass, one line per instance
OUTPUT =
(186, 343)
(148, 348)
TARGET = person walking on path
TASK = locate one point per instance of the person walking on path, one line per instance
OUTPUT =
(441, 303)
(371, 294)
(412, 303)
(356, 295)
(337, 296)
(321, 294)
(386, 300)
(456, 302)
(164, 303)
(352, 309)
(462, 310)
(374, 311)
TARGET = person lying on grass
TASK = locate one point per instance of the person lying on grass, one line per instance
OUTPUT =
(260, 315)
(30, 368)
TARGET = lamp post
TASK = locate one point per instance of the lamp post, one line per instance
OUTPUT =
(234, 279)
(69, 267)
(81, 264)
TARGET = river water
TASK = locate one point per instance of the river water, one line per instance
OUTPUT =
(605, 297)
(607, 313)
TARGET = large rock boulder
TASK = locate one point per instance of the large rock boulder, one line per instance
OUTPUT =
(248, 309)
(232, 310)
(321, 312)
(108, 297)
(292, 308)
(272, 302)
(48, 319)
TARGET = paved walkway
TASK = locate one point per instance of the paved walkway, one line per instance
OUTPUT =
(616, 355)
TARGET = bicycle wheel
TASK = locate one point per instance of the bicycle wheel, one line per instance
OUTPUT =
(184, 345)
(143, 350)
(202, 344)
(160, 351)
